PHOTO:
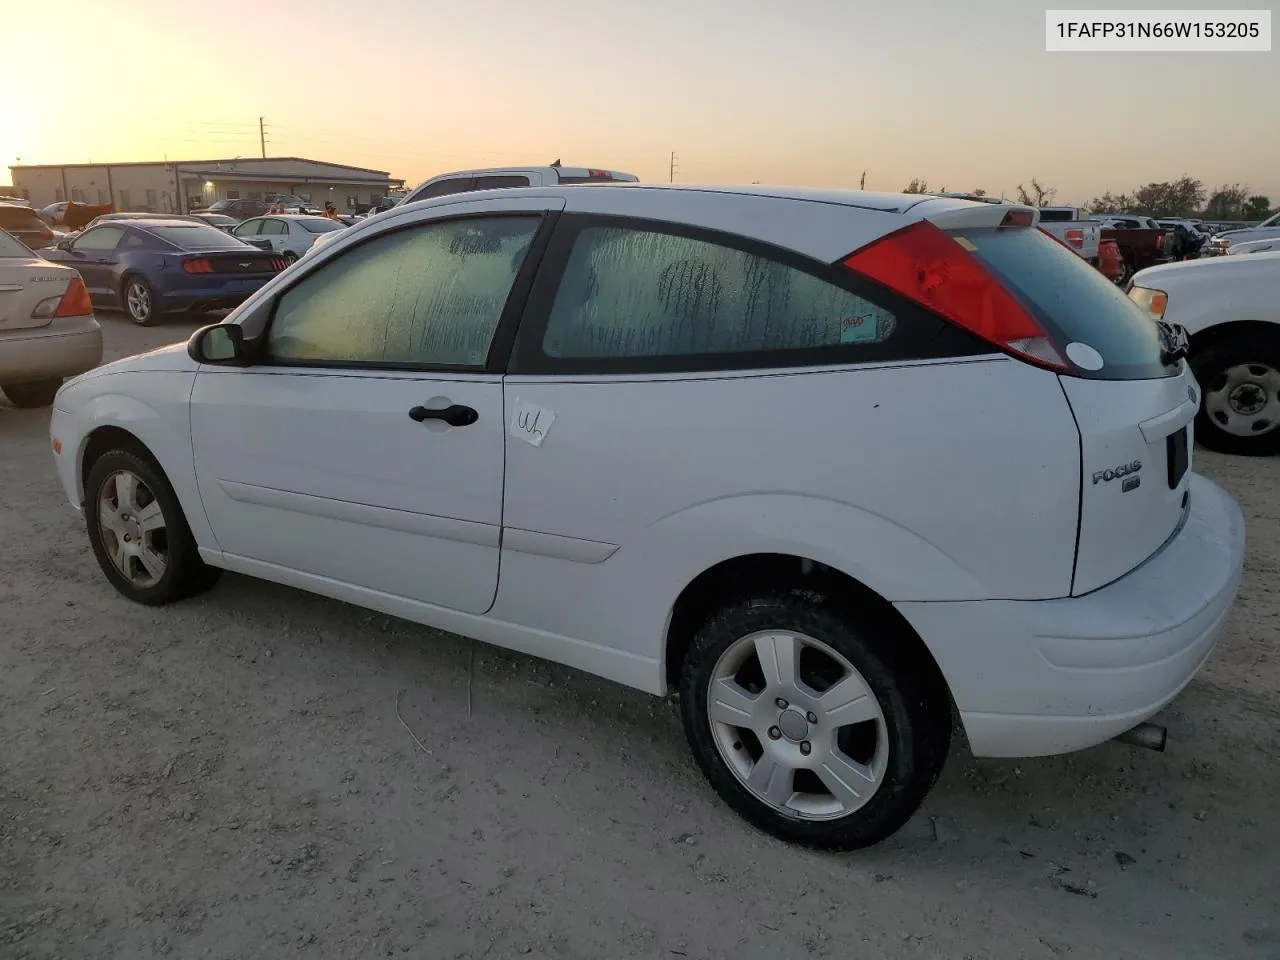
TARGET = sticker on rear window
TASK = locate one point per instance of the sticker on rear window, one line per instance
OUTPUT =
(967, 244)
(869, 327)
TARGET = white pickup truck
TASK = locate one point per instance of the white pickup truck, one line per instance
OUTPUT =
(1230, 307)
(1072, 226)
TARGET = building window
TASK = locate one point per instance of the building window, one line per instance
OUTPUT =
(57, 195)
(102, 195)
(255, 195)
(233, 194)
(271, 196)
(77, 196)
(151, 201)
(124, 200)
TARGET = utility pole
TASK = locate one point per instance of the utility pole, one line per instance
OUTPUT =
(672, 169)
(262, 137)
(862, 184)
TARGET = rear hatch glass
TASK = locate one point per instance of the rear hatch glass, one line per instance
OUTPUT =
(1074, 303)
(1133, 408)
(199, 236)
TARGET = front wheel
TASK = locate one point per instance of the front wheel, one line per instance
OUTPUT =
(139, 301)
(1240, 408)
(138, 531)
(811, 723)
(30, 395)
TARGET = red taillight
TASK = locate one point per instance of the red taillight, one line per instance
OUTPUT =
(197, 265)
(1017, 218)
(1160, 241)
(1075, 237)
(926, 265)
(75, 301)
(278, 263)
(599, 174)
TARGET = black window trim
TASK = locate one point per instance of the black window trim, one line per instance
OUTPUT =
(504, 335)
(948, 342)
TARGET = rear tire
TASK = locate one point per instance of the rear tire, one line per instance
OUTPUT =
(139, 301)
(40, 393)
(1240, 395)
(787, 763)
(139, 533)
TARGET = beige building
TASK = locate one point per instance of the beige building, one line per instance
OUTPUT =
(180, 186)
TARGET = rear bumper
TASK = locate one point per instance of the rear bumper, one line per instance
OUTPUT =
(63, 349)
(1033, 678)
(221, 297)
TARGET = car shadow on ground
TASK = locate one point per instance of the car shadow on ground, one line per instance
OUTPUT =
(1088, 825)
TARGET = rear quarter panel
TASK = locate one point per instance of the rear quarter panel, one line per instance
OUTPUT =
(941, 481)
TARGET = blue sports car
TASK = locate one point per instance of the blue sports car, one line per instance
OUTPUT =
(151, 267)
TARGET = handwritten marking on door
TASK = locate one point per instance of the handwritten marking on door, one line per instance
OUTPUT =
(530, 422)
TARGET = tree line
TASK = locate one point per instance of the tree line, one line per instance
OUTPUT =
(1184, 197)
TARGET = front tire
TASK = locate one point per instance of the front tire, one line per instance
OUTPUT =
(139, 533)
(1240, 403)
(140, 301)
(815, 724)
(31, 395)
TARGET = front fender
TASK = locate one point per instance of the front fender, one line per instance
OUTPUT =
(154, 407)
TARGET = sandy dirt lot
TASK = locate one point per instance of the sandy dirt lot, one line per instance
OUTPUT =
(228, 778)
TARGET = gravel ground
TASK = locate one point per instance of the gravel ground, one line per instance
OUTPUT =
(236, 777)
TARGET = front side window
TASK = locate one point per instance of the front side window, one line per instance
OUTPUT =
(632, 293)
(428, 295)
(273, 228)
(98, 239)
(249, 228)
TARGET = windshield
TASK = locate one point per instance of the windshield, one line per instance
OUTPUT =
(1073, 301)
(196, 236)
(12, 247)
(320, 225)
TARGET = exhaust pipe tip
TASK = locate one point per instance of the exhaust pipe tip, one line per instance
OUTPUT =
(1150, 736)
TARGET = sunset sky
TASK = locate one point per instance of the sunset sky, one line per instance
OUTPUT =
(801, 92)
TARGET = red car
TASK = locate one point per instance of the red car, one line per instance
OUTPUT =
(23, 224)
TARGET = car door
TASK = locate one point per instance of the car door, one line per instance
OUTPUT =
(276, 233)
(93, 254)
(364, 445)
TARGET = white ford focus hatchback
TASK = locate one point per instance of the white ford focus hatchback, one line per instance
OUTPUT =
(829, 464)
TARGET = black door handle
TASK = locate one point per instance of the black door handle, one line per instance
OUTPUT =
(455, 415)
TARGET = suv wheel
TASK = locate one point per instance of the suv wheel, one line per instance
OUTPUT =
(1240, 407)
(811, 723)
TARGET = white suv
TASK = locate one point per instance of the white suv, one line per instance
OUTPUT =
(826, 463)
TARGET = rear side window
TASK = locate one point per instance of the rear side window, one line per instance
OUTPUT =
(443, 188)
(1072, 300)
(494, 183)
(631, 299)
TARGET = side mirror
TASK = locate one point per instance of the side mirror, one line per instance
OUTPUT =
(218, 343)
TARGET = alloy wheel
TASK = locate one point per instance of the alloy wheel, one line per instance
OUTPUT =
(133, 530)
(798, 725)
